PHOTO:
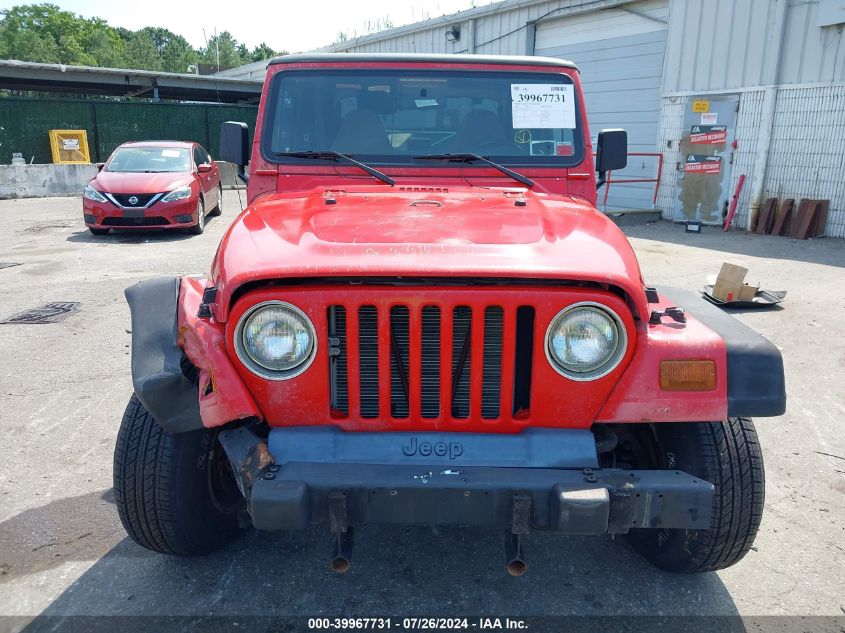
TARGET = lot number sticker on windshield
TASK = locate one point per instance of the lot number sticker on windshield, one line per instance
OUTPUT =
(543, 106)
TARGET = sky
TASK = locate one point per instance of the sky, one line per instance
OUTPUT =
(294, 26)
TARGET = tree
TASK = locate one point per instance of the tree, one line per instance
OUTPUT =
(223, 50)
(107, 48)
(141, 52)
(173, 51)
(262, 52)
(45, 33)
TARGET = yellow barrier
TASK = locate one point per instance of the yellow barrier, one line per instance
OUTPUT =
(69, 147)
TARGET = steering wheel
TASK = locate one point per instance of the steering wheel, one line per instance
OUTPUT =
(496, 146)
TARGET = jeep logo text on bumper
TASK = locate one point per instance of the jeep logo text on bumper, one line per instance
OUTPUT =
(440, 449)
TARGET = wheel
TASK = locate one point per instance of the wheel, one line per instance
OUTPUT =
(218, 209)
(728, 455)
(174, 492)
(98, 232)
(199, 227)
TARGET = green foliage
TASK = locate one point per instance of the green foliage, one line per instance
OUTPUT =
(45, 33)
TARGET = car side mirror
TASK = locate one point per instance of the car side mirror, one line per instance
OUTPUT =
(611, 153)
(204, 168)
(99, 166)
(234, 145)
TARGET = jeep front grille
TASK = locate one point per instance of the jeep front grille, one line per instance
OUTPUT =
(444, 361)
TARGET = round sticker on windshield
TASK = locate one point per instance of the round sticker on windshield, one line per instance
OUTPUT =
(523, 136)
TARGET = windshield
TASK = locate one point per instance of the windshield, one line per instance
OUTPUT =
(392, 116)
(150, 159)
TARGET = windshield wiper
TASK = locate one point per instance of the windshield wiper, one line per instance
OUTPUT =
(332, 155)
(468, 157)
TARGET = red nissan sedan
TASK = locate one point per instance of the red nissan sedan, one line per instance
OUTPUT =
(153, 185)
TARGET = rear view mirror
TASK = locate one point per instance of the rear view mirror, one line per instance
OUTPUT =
(611, 152)
(204, 168)
(234, 145)
(99, 166)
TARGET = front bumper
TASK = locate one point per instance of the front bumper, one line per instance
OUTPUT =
(160, 215)
(296, 494)
(609, 501)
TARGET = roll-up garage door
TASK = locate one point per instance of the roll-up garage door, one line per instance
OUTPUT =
(619, 52)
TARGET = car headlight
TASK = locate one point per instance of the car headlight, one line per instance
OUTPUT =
(92, 194)
(276, 340)
(178, 194)
(585, 341)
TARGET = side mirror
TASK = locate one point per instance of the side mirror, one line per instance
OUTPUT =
(204, 168)
(99, 166)
(611, 153)
(234, 145)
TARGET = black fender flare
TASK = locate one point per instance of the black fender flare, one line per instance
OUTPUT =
(756, 384)
(160, 384)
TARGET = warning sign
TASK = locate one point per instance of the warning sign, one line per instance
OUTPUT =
(700, 105)
(708, 134)
(703, 164)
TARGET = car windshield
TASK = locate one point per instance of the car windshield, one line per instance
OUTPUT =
(150, 159)
(401, 116)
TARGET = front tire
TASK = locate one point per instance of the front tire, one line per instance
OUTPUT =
(728, 455)
(199, 227)
(165, 487)
(218, 210)
(98, 232)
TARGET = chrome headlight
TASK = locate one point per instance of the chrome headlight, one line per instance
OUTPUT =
(276, 340)
(585, 341)
(92, 194)
(177, 194)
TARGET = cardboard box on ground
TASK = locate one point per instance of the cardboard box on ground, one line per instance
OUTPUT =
(730, 284)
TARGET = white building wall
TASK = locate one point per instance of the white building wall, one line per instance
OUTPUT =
(497, 29)
(619, 52)
(722, 46)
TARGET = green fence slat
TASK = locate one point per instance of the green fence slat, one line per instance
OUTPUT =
(25, 123)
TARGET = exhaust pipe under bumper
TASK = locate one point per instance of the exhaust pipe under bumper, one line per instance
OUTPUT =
(514, 559)
(342, 553)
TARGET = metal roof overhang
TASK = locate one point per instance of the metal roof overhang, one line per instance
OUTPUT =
(16, 75)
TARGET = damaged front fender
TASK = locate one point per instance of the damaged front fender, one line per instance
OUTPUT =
(166, 333)
(223, 397)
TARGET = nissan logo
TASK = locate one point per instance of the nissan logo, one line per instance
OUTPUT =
(133, 200)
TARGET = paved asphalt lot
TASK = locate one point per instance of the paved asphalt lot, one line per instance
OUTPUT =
(63, 388)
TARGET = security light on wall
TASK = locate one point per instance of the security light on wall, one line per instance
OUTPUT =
(453, 34)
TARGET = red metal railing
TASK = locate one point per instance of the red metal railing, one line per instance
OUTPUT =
(655, 180)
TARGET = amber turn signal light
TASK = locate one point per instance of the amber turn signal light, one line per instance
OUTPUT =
(687, 375)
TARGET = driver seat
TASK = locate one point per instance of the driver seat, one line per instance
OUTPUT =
(362, 132)
(477, 127)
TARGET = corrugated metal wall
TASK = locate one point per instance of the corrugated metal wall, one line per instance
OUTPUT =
(722, 44)
(499, 30)
(25, 124)
(620, 55)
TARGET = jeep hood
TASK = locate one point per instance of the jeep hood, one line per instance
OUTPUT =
(424, 232)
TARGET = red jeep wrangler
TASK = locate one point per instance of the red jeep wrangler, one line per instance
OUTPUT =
(421, 318)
